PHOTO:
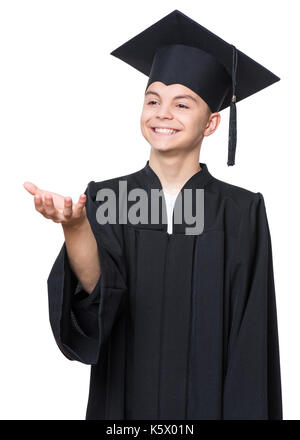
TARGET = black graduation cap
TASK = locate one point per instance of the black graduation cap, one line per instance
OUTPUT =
(178, 50)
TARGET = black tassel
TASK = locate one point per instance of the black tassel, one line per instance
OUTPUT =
(232, 115)
(232, 134)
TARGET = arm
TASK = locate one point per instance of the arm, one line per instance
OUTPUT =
(84, 301)
(82, 322)
(83, 256)
(252, 385)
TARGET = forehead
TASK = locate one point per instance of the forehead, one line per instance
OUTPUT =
(171, 89)
(172, 92)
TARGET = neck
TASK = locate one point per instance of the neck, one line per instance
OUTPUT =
(173, 171)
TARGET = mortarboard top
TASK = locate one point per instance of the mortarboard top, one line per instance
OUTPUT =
(178, 50)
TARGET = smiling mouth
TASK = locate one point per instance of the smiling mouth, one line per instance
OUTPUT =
(164, 133)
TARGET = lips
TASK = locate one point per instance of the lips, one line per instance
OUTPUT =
(164, 134)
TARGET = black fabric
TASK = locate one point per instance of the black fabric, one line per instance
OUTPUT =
(187, 325)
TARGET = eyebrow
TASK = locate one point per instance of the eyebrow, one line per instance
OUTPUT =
(176, 97)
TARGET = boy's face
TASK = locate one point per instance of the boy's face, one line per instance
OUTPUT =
(165, 107)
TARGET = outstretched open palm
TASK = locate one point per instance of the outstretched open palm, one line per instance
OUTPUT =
(56, 207)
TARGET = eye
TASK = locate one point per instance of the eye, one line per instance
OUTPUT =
(153, 102)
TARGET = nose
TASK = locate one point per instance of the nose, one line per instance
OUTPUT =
(163, 111)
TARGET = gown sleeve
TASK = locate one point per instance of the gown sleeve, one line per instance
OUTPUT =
(81, 322)
(252, 384)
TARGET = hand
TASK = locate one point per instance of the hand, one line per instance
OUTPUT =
(58, 208)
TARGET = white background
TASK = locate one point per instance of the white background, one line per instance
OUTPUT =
(70, 113)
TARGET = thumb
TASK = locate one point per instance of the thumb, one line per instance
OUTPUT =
(30, 187)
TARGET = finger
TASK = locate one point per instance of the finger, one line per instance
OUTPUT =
(38, 202)
(68, 207)
(80, 205)
(49, 209)
(30, 187)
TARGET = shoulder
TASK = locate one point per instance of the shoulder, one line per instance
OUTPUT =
(241, 197)
(113, 184)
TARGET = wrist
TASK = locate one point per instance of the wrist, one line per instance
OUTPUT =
(76, 226)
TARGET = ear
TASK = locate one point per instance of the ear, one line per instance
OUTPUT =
(212, 123)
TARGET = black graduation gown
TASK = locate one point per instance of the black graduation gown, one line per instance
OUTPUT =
(178, 326)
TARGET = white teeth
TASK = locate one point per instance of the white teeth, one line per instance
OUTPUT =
(164, 130)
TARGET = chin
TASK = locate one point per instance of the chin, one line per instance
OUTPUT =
(163, 147)
(161, 144)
